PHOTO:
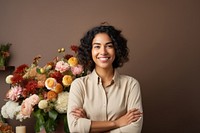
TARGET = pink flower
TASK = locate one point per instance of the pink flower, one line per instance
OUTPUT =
(77, 69)
(34, 99)
(14, 93)
(27, 105)
(62, 66)
(26, 108)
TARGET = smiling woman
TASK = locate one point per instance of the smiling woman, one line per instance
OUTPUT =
(104, 100)
(103, 52)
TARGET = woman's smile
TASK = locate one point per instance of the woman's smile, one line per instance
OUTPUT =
(103, 51)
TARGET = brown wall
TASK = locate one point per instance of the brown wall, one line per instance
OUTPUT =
(163, 38)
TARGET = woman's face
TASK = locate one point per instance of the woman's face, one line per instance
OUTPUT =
(103, 52)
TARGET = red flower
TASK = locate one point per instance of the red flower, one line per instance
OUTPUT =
(21, 69)
(67, 56)
(31, 87)
(17, 78)
(74, 48)
(58, 76)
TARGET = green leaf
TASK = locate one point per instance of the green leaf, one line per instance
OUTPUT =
(38, 70)
(50, 125)
(40, 121)
(53, 114)
(51, 122)
(66, 127)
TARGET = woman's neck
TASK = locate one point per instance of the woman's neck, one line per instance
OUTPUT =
(105, 74)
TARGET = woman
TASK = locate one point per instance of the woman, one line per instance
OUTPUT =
(104, 100)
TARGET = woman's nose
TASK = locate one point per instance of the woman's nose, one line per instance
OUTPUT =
(103, 50)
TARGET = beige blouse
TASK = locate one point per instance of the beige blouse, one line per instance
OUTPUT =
(104, 104)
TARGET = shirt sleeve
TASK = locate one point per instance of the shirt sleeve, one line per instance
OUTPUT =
(76, 99)
(134, 101)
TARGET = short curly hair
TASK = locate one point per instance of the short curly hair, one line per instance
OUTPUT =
(119, 42)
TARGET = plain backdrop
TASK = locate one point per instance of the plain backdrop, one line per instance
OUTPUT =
(163, 37)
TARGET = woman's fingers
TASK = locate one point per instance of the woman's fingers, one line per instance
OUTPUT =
(133, 115)
(78, 113)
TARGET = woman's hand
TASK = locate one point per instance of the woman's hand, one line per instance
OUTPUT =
(79, 113)
(131, 116)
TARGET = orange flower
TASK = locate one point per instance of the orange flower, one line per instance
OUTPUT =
(52, 95)
(41, 84)
(73, 61)
(58, 88)
(67, 80)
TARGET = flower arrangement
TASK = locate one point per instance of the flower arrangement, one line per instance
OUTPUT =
(42, 91)
(4, 54)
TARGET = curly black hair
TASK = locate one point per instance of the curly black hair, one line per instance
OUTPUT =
(119, 42)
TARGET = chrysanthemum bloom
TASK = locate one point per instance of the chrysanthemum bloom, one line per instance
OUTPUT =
(21, 69)
(14, 93)
(50, 83)
(73, 61)
(31, 87)
(17, 78)
(43, 104)
(62, 66)
(67, 80)
(52, 95)
(62, 102)
(77, 69)
(8, 79)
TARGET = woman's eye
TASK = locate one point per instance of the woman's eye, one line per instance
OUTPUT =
(96, 46)
(110, 46)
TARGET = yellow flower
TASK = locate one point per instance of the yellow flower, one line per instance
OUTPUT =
(50, 83)
(67, 80)
(73, 61)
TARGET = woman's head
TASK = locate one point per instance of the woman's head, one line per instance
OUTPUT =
(118, 41)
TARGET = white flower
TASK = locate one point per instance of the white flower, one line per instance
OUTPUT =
(8, 79)
(10, 109)
(62, 102)
(43, 104)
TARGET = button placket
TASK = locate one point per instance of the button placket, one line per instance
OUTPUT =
(104, 109)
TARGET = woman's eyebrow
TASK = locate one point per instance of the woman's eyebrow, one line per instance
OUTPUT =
(96, 43)
(109, 42)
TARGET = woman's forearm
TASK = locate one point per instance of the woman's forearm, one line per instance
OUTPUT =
(131, 116)
(102, 126)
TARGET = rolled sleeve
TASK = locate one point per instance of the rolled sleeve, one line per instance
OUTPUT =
(81, 125)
